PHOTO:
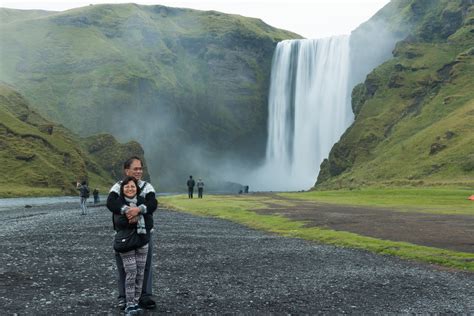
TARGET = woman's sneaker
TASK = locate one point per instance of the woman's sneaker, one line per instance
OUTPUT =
(138, 310)
(131, 310)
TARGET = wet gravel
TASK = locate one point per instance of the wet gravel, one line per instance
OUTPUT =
(53, 261)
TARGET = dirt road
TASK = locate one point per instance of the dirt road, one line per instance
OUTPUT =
(53, 261)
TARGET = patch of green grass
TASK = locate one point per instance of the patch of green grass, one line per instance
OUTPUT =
(241, 209)
(16, 190)
(429, 200)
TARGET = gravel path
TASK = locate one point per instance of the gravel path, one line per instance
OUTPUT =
(54, 261)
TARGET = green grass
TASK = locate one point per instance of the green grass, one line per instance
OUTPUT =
(241, 209)
(16, 190)
(36, 163)
(432, 200)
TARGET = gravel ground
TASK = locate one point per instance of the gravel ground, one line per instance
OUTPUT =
(53, 261)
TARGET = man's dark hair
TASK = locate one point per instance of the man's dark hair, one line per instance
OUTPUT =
(129, 161)
(190, 177)
(84, 182)
(125, 181)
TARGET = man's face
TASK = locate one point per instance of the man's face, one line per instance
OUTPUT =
(135, 170)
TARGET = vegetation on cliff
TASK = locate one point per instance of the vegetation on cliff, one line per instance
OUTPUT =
(414, 113)
(40, 157)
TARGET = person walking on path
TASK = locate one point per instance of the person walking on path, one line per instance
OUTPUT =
(84, 194)
(200, 186)
(134, 255)
(191, 183)
(134, 167)
(95, 194)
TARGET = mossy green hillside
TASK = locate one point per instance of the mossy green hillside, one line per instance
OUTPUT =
(414, 113)
(39, 157)
(171, 73)
(242, 209)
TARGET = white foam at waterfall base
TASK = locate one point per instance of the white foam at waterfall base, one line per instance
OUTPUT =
(309, 109)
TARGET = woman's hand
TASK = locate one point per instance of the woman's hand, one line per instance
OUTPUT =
(132, 212)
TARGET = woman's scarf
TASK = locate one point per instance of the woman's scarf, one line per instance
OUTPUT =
(141, 220)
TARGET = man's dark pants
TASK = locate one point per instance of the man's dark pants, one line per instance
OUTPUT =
(147, 280)
(190, 192)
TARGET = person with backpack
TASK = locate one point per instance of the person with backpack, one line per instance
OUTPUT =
(84, 194)
(200, 186)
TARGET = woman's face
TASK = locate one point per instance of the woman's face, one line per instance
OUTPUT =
(130, 189)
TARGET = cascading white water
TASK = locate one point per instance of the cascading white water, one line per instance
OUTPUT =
(309, 109)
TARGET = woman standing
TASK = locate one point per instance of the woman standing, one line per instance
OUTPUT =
(131, 241)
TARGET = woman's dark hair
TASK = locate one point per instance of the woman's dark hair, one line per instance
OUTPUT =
(128, 162)
(127, 180)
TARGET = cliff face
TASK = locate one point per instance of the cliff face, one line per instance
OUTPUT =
(39, 157)
(188, 85)
(414, 113)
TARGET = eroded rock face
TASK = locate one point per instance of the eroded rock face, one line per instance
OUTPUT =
(110, 154)
(436, 148)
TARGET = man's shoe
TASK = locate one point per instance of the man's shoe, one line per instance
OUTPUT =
(147, 302)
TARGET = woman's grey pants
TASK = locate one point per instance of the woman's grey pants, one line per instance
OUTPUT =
(147, 280)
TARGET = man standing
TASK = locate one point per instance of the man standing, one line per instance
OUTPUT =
(84, 194)
(190, 185)
(200, 186)
(133, 167)
(95, 194)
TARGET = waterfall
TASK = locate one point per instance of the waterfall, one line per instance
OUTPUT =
(309, 109)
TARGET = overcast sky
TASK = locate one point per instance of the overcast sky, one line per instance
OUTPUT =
(309, 18)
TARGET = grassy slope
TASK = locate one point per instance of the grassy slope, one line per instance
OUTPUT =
(416, 128)
(36, 163)
(206, 71)
(241, 210)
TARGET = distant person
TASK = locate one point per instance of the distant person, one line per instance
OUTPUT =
(246, 189)
(190, 185)
(95, 194)
(200, 186)
(84, 194)
(134, 255)
(134, 167)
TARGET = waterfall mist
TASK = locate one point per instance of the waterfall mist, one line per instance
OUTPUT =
(309, 109)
